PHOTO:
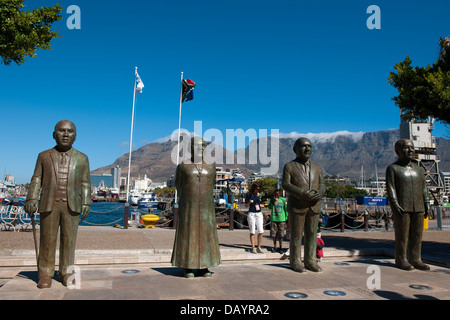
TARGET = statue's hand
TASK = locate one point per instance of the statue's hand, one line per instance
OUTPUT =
(85, 210)
(312, 196)
(31, 207)
(315, 195)
(400, 210)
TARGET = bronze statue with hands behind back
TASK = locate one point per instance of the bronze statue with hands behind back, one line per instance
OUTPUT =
(408, 197)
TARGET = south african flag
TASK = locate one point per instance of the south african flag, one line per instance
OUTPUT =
(188, 89)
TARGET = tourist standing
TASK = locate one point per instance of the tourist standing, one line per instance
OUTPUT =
(278, 218)
(255, 216)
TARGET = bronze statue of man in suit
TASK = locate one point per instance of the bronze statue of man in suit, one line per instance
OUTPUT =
(303, 181)
(60, 188)
(408, 197)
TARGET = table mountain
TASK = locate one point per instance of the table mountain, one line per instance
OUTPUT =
(342, 153)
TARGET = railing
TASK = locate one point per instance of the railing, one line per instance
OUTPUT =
(443, 217)
(365, 217)
(15, 218)
(344, 218)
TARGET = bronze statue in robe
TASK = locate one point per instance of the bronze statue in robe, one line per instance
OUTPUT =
(303, 181)
(61, 188)
(196, 245)
(408, 198)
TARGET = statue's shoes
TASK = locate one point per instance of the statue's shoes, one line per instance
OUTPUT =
(188, 273)
(205, 273)
(45, 282)
(313, 267)
(404, 265)
(298, 268)
(64, 279)
(420, 265)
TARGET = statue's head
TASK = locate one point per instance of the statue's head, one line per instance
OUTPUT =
(303, 149)
(404, 148)
(198, 146)
(65, 134)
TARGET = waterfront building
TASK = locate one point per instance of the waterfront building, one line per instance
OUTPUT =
(9, 178)
(337, 179)
(142, 184)
(255, 176)
(116, 172)
(156, 185)
(221, 179)
(104, 181)
(378, 187)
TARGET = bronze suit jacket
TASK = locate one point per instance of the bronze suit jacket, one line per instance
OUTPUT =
(43, 182)
(406, 187)
(296, 183)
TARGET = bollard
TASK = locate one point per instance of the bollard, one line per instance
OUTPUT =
(377, 217)
(125, 218)
(231, 224)
(366, 220)
(342, 221)
(386, 220)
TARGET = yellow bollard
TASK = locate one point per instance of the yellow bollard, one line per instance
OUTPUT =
(425, 223)
(150, 220)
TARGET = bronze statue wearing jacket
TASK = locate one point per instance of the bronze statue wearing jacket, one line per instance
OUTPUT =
(60, 188)
(303, 181)
(408, 197)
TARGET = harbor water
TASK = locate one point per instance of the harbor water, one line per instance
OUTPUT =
(110, 213)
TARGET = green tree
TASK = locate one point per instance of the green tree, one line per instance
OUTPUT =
(334, 190)
(268, 186)
(24, 32)
(165, 191)
(424, 91)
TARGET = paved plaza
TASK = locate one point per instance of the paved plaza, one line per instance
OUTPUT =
(134, 264)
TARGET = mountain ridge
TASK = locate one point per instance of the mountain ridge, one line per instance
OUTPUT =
(343, 153)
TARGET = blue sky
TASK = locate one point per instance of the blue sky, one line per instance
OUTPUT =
(303, 66)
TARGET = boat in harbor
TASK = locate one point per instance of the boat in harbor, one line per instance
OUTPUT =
(13, 201)
(135, 195)
(148, 201)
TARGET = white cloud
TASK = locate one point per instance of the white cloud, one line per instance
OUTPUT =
(314, 137)
(324, 136)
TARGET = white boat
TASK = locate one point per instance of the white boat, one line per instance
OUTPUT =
(134, 197)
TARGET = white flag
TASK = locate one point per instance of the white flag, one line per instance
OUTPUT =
(139, 84)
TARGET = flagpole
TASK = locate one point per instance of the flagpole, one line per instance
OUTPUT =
(127, 204)
(179, 131)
